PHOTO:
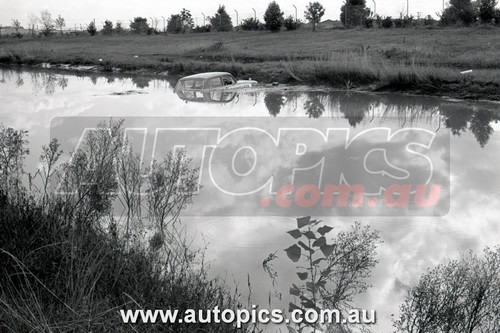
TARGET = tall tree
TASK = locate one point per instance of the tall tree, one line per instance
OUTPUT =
(17, 25)
(273, 17)
(174, 25)
(314, 12)
(459, 296)
(221, 21)
(354, 12)
(47, 22)
(181, 22)
(60, 23)
(186, 20)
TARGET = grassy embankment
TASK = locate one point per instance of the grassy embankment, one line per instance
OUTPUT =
(425, 61)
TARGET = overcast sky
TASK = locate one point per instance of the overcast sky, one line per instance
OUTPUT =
(81, 12)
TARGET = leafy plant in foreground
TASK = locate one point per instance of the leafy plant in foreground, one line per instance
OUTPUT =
(332, 271)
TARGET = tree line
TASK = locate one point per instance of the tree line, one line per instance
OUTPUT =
(182, 22)
(353, 13)
(458, 12)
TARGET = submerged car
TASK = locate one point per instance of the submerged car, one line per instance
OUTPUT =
(212, 81)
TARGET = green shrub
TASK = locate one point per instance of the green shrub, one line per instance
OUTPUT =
(203, 28)
(250, 24)
(429, 21)
(291, 24)
(140, 25)
(118, 28)
(108, 28)
(387, 22)
(369, 22)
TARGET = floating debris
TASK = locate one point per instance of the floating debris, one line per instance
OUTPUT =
(128, 92)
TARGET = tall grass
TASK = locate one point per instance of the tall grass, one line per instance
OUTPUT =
(336, 69)
(59, 279)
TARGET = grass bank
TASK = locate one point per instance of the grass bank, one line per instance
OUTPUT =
(56, 279)
(419, 60)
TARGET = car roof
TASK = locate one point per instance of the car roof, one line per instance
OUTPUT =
(207, 75)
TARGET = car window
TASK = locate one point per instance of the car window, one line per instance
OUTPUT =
(216, 82)
(228, 80)
(216, 96)
(197, 84)
(191, 84)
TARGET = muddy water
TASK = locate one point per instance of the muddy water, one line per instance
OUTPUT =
(237, 245)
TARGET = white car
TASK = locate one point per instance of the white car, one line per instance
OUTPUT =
(212, 81)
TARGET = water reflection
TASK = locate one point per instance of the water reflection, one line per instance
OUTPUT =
(45, 82)
(19, 81)
(201, 96)
(49, 80)
(471, 223)
(480, 125)
(141, 82)
(274, 102)
(314, 107)
(354, 107)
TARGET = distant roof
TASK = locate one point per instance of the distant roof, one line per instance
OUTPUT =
(206, 75)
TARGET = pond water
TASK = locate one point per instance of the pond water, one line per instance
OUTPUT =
(35, 100)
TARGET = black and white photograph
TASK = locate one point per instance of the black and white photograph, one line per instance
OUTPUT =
(283, 166)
